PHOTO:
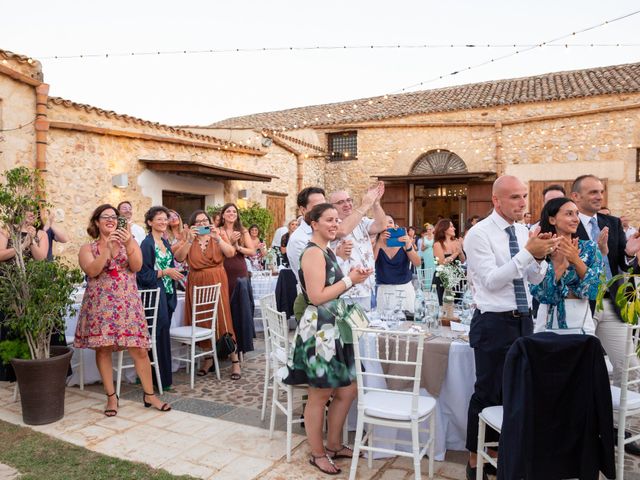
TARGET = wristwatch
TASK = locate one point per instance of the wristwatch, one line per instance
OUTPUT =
(408, 249)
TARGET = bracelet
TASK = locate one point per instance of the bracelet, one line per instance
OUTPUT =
(348, 282)
(408, 249)
(540, 259)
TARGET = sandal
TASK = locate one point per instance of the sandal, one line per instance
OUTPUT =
(110, 412)
(313, 462)
(235, 376)
(335, 454)
(164, 408)
(203, 371)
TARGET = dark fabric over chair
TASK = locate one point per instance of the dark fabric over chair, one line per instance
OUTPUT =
(242, 312)
(558, 420)
(286, 291)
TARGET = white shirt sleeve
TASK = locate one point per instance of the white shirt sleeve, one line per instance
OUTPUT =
(138, 233)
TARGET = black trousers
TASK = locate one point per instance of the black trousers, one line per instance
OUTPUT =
(491, 336)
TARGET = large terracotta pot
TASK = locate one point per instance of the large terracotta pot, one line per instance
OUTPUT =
(42, 386)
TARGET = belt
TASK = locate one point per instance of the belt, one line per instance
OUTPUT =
(511, 313)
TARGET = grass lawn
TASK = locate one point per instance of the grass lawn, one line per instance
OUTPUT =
(38, 456)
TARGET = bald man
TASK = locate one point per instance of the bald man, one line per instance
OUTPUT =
(503, 257)
(354, 250)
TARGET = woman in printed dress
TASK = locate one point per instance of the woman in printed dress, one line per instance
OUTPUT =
(320, 358)
(111, 316)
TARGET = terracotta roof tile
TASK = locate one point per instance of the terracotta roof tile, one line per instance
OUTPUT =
(147, 123)
(541, 88)
(31, 63)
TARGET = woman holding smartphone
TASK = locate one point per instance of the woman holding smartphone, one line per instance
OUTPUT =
(111, 316)
(393, 268)
(205, 250)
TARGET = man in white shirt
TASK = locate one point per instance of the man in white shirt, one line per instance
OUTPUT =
(277, 236)
(354, 249)
(502, 258)
(126, 210)
(307, 199)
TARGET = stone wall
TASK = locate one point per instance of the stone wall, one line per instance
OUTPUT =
(17, 108)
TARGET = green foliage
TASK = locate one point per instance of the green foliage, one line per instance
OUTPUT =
(13, 349)
(35, 295)
(254, 213)
(627, 296)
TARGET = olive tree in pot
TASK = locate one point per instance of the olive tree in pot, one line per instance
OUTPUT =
(35, 296)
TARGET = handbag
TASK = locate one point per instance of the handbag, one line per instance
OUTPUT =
(349, 317)
(225, 345)
(578, 317)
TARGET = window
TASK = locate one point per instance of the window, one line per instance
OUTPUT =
(343, 146)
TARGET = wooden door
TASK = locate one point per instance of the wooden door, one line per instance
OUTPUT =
(479, 199)
(536, 198)
(183, 203)
(395, 202)
(276, 205)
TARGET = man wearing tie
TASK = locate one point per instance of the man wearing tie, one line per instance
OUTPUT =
(618, 254)
(502, 257)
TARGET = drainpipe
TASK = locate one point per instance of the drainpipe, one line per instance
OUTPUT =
(299, 167)
(499, 163)
(41, 126)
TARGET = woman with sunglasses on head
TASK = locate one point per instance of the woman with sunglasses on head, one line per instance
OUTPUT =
(205, 250)
(111, 316)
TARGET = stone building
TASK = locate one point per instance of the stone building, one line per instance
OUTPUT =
(90, 156)
(439, 150)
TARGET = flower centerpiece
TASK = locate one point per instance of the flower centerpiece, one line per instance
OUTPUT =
(450, 275)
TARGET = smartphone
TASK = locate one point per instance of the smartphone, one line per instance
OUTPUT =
(122, 223)
(204, 230)
(394, 235)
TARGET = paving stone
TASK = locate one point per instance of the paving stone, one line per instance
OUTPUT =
(201, 407)
(8, 473)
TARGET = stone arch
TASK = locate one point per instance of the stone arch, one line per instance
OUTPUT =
(438, 162)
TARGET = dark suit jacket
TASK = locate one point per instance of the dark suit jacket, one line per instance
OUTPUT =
(617, 243)
(558, 420)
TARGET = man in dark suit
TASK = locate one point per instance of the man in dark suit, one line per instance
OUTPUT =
(619, 255)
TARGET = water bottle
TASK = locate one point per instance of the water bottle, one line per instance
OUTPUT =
(419, 307)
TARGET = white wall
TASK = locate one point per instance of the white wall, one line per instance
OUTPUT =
(153, 183)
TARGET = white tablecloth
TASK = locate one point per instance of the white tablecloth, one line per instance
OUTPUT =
(451, 405)
(261, 286)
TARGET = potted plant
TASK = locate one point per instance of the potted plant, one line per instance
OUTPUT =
(35, 297)
(627, 295)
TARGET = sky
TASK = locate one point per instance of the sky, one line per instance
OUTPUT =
(198, 89)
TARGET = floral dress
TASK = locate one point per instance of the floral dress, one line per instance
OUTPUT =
(552, 293)
(111, 314)
(319, 357)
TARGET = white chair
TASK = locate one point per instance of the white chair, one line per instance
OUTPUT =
(400, 354)
(425, 277)
(278, 329)
(268, 301)
(261, 286)
(204, 308)
(626, 403)
(491, 416)
(150, 301)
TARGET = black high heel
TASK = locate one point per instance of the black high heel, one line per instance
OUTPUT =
(165, 406)
(110, 412)
(235, 376)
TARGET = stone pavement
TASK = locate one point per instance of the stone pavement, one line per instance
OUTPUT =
(8, 473)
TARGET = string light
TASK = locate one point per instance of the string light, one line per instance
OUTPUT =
(19, 127)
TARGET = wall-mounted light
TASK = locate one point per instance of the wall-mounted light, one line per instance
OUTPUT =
(120, 181)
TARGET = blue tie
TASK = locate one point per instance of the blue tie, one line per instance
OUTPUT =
(595, 233)
(522, 303)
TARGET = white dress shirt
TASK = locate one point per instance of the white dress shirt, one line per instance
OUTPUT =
(297, 243)
(491, 268)
(138, 233)
(630, 232)
(277, 236)
(585, 219)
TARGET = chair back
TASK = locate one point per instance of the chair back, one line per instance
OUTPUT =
(425, 277)
(150, 302)
(278, 337)
(630, 370)
(392, 362)
(204, 306)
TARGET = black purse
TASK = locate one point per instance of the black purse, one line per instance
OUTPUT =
(225, 345)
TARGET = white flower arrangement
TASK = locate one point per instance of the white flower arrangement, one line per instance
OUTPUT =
(450, 274)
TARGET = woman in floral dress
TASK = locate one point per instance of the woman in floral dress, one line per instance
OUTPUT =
(320, 358)
(111, 315)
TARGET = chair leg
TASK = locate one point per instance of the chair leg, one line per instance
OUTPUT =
(415, 447)
(274, 398)
(81, 367)
(119, 372)
(345, 433)
(432, 445)
(481, 435)
(356, 447)
(265, 389)
(289, 421)
(156, 366)
(370, 443)
(620, 445)
(192, 364)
